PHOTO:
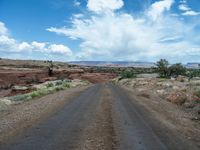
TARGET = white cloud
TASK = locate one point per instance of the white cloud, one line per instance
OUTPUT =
(10, 45)
(121, 36)
(190, 13)
(156, 10)
(3, 29)
(5, 40)
(100, 6)
(187, 11)
(184, 7)
(38, 45)
(59, 48)
(24, 46)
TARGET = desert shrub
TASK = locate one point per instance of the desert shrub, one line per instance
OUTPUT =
(35, 94)
(59, 88)
(43, 92)
(20, 97)
(67, 85)
(50, 85)
(177, 69)
(162, 68)
(59, 83)
(127, 74)
(50, 89)
(193, 73)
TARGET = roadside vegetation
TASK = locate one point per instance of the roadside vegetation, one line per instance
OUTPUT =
(127, 74)
(171, 82)
(166, 71)
(48, 89)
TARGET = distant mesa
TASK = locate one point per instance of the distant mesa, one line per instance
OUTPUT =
(114, 64)
(193, 65)
(126, 64)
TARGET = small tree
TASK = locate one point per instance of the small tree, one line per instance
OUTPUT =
(50, 68)
(177, 69)
(193, 73)
(162, 68)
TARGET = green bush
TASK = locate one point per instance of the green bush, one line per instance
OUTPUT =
(19, 97)
(35, 94)
(193, 73)
(59, 88)
(177, 69)
(59, 83)
(166, 71)
(50, 85)
(127, 74)
(67, 85)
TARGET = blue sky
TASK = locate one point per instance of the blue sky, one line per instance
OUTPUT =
(114, 30)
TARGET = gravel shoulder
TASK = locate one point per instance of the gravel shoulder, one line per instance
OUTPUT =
(173, 119)
(21, 116)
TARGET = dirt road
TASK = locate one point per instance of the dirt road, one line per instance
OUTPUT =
(104, 117)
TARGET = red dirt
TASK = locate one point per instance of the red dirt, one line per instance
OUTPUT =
(94, 77)
(8, 78)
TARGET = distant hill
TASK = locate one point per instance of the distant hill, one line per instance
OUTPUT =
(193, 65)
(114, 64)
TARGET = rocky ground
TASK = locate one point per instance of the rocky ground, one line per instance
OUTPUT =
(179, 91)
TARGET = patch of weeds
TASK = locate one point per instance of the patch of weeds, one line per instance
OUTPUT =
(67, 85)
(50, 85)
(59, 88)
(34, 94)
(43, 92)
(51, 88)
(19, 97)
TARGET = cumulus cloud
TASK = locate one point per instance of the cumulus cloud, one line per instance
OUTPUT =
(190, 13)
(38, 45)
(24, 46)
(59, 48)
(122, 36)
(186, 10)
(10, 45)
(100, 6)
(3, 29)
(156, 10)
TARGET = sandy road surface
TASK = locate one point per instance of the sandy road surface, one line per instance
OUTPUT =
(103, 117)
